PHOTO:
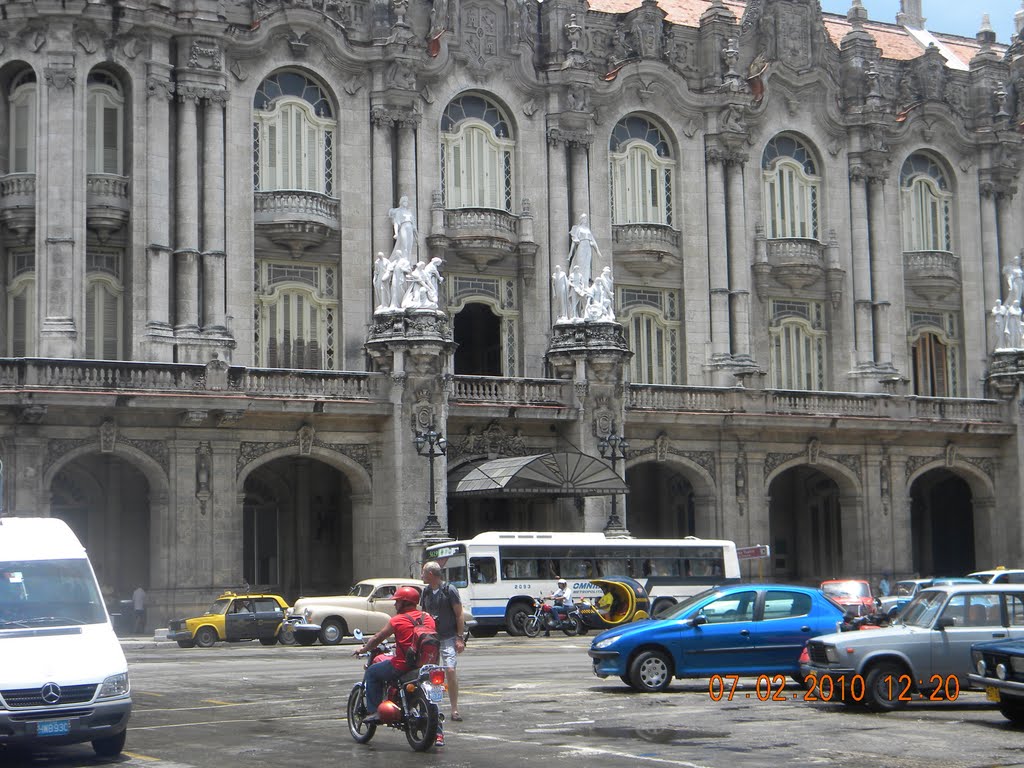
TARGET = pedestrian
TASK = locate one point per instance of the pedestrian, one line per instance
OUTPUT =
(139, 603)
(883, 585)
(441, 600)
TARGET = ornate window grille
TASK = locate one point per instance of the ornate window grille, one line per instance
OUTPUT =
(791, 189)
(798, 345)
(104, 125)
(927, 203)
(642, 169)
(477, 155)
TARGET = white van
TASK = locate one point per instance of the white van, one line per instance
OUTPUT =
(63, 675)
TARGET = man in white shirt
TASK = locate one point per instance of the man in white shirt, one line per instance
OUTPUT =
(139, 603)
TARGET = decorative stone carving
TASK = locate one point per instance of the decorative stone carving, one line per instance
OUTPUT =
(159, 87)
(250, 451)
(305, 435)
(662, 445)
(204, 54)
(108, 436)
(813, 450)
(204, 455)
(494, 441)
(59, 77)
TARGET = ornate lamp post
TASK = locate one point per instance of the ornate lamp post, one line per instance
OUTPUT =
(431, 444)
(613, 447)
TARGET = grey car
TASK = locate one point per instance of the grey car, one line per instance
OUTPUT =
(926, 655)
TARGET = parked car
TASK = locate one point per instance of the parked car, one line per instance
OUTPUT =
(999, 576)
(907, 589)
(853, 594)
(742, 629)
(999, 669)
(231, 618)
(368, 606)
(919, 656)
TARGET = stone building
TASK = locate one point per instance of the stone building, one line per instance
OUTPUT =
(808, 218)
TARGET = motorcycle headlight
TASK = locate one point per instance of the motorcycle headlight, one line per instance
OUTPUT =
(605, 643)
(115, 685)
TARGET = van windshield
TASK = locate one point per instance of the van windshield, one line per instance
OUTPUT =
(48, 593)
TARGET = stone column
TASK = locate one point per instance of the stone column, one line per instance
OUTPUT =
(186, 250)
(213, 214)
(160, 90)
(990, 256)
(559, 218)
(863, 320)
(880, 270)
(717, 254)
(407, 163)
(578, 152)
(381, 172)
(739, 260)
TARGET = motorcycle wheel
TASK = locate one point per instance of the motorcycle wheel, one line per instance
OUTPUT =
(571, 625)
(532, 627)
(420, 722)
(356, 711)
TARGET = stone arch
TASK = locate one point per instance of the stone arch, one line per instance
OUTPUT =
(981, 485)
(848, 482)
(154, 472)
(691, 506)
(359, 478)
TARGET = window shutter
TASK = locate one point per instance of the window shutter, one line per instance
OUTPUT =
(493, 172)
(92, 150)
(90, 322)
(314, 154)
(111, 140)
(284, 172)
(111, 324)
(270, 177)
(458, 183)
(19, 324)
(618, 190)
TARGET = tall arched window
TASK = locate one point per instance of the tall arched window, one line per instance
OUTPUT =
(650, 320)
(296, 310)
(935, 353)
(104, 308)
(104, 125)
(792, 189)
(642, 171)
(797, 345)
(21, 304)
(927, 205)
(477, 155)
(293, 135)
(22, 132)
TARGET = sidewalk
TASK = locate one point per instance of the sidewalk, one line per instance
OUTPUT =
(157, 640)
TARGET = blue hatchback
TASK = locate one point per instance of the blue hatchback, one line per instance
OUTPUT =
(743, 629)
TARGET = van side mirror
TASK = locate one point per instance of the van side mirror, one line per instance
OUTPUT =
(944, 622)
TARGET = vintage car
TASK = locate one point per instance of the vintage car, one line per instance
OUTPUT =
(999, 669)
(919, 656)
(623, 600)
(740, 629)
(999, 576)
(853, 594)
(906, 590)
(231, 618)
(368, 606)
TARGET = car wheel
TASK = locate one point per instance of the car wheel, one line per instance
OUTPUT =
(268, 641)
(110, 746)
(332, 631)
(650, 672)
(186, 644)
(1013, 711)
(483, 631)
(205, 637)
(882, 687)
(305, 637)
(286, 635)
(801, 681)
(515, 618)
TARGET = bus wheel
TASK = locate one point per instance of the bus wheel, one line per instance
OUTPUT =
(661, 605)
(515, 619)
(483, 631)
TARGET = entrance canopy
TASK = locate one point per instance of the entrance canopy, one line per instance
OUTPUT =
(546, 474)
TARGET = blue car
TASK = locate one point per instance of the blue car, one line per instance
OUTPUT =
(742, 629)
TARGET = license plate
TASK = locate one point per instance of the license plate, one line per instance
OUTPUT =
(53, 728)
(992, 693)
(435, 694)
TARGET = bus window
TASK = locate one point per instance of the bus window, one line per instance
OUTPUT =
(482, 571)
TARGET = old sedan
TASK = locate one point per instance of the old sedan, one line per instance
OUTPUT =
(927, 654)
(743, 629)
(368, 606)
(999, 669)
(232, 617)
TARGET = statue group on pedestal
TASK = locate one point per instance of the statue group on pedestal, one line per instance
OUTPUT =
(578, 298)
(399, 281)
(1009, 324)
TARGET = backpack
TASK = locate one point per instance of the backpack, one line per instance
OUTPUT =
(426, 645)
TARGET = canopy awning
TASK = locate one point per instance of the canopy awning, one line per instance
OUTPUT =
(546, 474)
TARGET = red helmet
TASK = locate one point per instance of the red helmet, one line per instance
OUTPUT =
(389, 712)
(407, 595)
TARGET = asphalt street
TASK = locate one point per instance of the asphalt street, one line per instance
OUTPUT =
(525, 702)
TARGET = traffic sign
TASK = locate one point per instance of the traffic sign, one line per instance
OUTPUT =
(754, 552)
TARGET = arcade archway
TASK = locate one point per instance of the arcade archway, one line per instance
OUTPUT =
(805, 526)
(662, 503)
(942, 524)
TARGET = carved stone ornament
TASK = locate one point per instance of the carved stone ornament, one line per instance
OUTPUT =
(813, 450)
(424, 416)
(493, 441)
(662, 445)
(204, 456)
(204, 54)
(306, 435)
(108, 436)
(88, 39)
(59, 78)
(741, 480)
(950, 454)
(159, 87)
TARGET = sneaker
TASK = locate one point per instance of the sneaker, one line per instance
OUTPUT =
(439, 742)
(373, 719)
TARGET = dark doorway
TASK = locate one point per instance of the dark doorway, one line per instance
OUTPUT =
(942, 524)
(478, 334)
(805, 526)
(660, 504)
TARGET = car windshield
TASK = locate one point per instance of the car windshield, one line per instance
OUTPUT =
(846, 589)
(905, 588)
(220, 606)
(362, 589)
(679, 609)
(922, 610)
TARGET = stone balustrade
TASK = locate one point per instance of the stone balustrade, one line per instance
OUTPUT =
(488, 389)
(107, 186)
(15, 185)
(933, 275)
(646, 236)
(294, 204)
(481, 221)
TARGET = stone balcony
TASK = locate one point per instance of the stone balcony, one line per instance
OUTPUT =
(296, 219)
(796, 262)
(483, 236)
(18, 205)
(646, 250)
(108, 206)
(932, 275)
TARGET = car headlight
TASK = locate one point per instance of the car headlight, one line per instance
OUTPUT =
(306, 613)
(115, 685)
(605, 643)
(1001, 671)
(979, 667)
(832, 654)
(1017, 662)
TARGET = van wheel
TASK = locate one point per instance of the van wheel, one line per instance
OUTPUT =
(112, 746)
(205, 637)
(661, 605)
(515, 619)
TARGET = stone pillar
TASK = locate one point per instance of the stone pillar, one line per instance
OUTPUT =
(990, 256)
(863, 320)
(407, 163)
(382, 179)
(739, 259)
(559, 217)
(213, 214)
(881, 267)
(717, 254)
(186, 250)
(578, 152)
(160, 90)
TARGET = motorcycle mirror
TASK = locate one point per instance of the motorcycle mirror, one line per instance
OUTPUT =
(358, 634)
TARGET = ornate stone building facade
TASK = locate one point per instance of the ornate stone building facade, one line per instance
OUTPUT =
(808, 218)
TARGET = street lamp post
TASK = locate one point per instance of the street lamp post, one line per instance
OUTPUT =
(613, 447)
(431, 444)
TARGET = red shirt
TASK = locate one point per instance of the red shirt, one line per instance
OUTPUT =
(403, 625)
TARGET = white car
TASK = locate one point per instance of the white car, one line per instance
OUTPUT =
(999, 576)
(368, 606)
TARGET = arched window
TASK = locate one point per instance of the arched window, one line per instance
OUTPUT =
(293, 135)
(650, 320)
(104, 125)
(296, 307)
(22, 133)
(477, 155)
(927, 205)
(797, 345)
(103, 313)
(642, 170)
(935, 353)
(792, 189)
(21, 315)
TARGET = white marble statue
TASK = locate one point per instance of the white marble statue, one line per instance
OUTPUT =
(999, 320)
(433, 279)
(560, 287)
(404, 222)
(577, 291)
(599, 298)
(1014, 281)
(415, 289)
(583, 247)
(1014, 330)
(399, 271)
(381, 283)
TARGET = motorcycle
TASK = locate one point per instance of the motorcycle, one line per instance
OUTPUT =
(410, 703)
(544, 618)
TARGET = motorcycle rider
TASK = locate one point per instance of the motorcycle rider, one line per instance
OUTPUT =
(561, 601)
(390, 669)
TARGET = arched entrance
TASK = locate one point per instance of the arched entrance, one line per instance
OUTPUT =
(942, 524)
(477, 331)
(297, 527)
(662, 503)
(805, 526)
(469, 516)
(106, 502)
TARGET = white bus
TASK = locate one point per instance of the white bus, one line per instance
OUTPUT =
(498, 573)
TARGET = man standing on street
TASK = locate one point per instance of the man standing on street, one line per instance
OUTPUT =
(139, 603)
(441, 600)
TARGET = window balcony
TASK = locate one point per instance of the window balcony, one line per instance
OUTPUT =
(107, 204)
(481, 236)
(796, 262)
(646, 250)
(932, 275)
(18, 205)
(296, 219)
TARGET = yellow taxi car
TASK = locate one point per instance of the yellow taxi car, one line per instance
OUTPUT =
(232, 618)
